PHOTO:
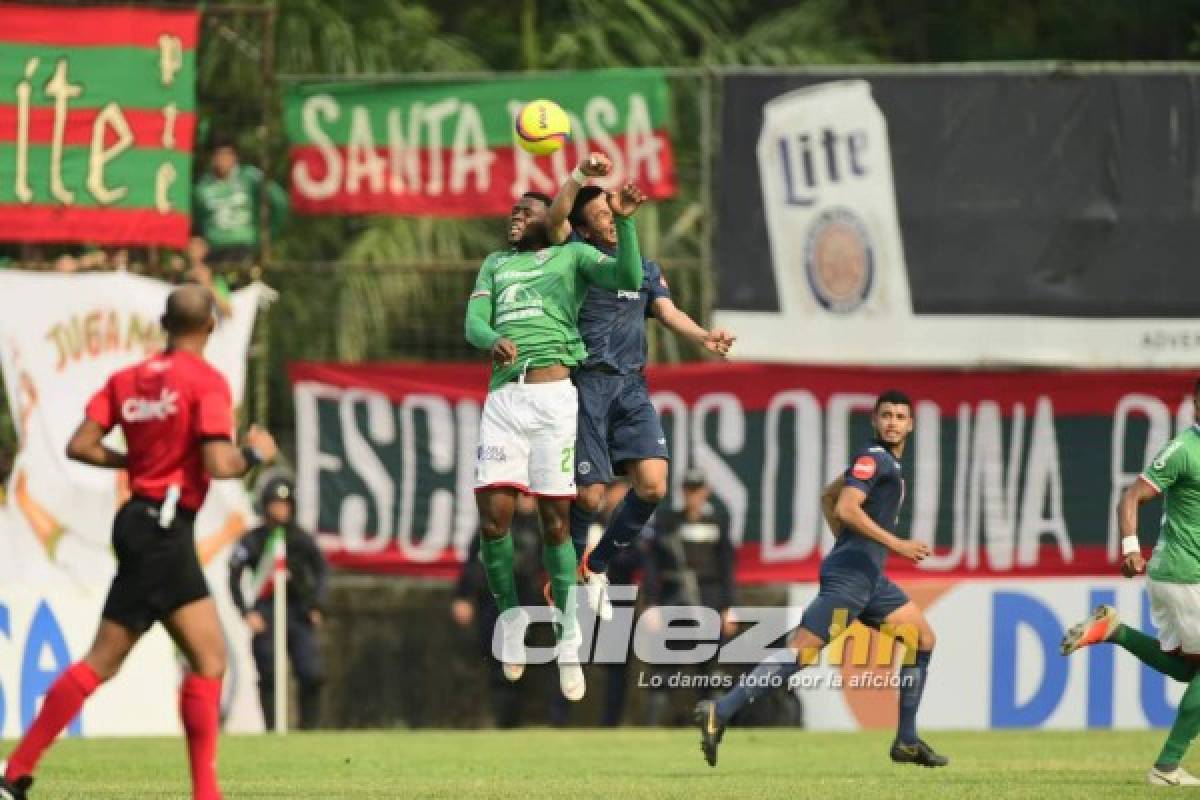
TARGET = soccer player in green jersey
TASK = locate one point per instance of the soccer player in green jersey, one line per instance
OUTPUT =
(524, 310)
(1173, 583)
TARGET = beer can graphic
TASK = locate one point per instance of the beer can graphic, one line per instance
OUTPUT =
(826, 173)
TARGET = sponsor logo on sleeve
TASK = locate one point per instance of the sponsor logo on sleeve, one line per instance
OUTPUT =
(864, 468)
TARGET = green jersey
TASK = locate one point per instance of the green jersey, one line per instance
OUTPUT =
(532, 298)
(1175, 472)
(225, 211)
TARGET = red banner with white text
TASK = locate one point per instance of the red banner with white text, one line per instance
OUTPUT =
(1009, 473)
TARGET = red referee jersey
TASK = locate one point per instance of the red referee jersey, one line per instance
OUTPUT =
(167, 406)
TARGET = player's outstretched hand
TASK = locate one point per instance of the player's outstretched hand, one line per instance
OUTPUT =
(1133, 565)
(596, 165)
(262, 442)
(719, 341)
(913, 551)
(625, 202)
(504, 351)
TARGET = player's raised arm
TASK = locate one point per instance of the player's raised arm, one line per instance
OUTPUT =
(596, 165)
(623, 271)
(679, 322)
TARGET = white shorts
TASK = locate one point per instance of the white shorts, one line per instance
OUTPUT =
(527, 439)
(1175, 609)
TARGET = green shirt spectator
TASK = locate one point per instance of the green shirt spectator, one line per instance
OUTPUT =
(225, 206)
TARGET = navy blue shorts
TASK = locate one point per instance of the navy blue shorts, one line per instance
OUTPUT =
(617, 423)
(850, 592)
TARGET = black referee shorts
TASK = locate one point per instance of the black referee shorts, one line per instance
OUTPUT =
(158, 570)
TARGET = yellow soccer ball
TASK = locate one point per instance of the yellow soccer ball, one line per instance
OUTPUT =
(542, 127)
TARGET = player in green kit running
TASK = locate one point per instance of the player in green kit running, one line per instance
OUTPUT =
(524, 310)
(1173, 583)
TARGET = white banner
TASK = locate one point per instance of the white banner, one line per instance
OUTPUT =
(61, 336)
(997, 664)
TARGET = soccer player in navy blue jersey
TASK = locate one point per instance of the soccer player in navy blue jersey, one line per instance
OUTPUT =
(618, 430)
(861, 507)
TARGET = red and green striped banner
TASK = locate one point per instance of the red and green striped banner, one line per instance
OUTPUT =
(97, 121)
(446, 149)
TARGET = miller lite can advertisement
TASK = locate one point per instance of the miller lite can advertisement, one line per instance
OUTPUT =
(897, 218)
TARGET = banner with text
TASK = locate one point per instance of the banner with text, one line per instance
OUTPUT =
(1027, 217)
(1008, 473)
(61, 336)
(998, 663)
(446, 149)
(97, 116)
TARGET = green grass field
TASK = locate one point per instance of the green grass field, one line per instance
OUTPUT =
(621, 765)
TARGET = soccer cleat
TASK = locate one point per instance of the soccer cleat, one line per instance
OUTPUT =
(595, 585)
(1096, 628)
(920, 754)
(513, 624)
(570, 671)
(1175, 777)
(15, 790)
(711, 729)
(1179, 776)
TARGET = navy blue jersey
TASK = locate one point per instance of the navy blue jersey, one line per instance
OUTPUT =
(876, 472)
(613, 324)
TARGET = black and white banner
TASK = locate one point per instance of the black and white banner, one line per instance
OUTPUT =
(960, 218)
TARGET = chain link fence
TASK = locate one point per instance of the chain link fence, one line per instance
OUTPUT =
(343, 312)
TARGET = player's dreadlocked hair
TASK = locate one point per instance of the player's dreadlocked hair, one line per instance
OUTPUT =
(893, 396)
(586, 195)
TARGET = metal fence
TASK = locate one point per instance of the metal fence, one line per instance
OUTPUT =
(344, 312)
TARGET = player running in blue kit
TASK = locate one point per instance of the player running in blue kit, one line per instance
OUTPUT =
(861, 507)
(618, 428)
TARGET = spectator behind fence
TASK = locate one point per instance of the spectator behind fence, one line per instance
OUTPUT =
(689, 562)
(225, 206)
(306, 589)
(473, 603)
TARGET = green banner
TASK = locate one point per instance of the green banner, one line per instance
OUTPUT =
(97, 121)
(446, 149)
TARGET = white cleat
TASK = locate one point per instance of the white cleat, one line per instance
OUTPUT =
(1176, 777)
(595, 585)
(513, 624)
(570, 671)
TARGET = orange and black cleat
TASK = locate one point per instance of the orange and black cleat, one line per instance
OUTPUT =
(1093, 630)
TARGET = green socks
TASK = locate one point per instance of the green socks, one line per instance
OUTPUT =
(497, 558)
(1187, 725)
(559, 561)
(1149, 652)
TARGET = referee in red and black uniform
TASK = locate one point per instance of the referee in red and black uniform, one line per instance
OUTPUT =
(176, 413)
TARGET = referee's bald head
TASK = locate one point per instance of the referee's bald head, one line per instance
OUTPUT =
(189, 310)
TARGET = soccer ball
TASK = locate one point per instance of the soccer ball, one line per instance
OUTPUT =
(542, 127)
